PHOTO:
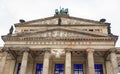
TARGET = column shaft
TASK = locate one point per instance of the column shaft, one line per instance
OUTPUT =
(68, 63)
(3, 61)
(114, 63)
(23, 69)
(90, 59)
(46, 63)
(12, 66)
(108, 67)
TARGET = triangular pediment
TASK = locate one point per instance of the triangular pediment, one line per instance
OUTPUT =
(65, 20)
(61, 33)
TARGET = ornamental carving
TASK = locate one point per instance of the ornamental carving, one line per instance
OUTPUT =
(59, 34)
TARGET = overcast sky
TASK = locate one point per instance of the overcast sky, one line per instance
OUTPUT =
(13, 10)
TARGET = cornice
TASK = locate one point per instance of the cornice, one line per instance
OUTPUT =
(51, 25)
(27, 24)
(64, 39)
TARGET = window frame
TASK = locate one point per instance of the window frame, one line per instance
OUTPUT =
(79, 69)
(40, 69)
(60, 70)
(18, 68)
(98, 69)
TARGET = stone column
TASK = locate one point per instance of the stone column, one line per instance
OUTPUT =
(12, 67)
(24, 63)
(108, 67)
(46, 62)
(68, 62)
(114, 63)
(90, 61)
(3, 61)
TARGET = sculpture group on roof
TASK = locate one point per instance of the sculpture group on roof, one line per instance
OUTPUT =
(61, 11)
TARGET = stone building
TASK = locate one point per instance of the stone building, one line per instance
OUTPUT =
(60, 44)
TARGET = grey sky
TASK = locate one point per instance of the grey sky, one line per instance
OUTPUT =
(13, 10)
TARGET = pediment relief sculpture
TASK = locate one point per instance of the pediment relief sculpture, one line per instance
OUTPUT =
(59, 34)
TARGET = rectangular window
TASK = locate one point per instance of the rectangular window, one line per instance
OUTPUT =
(78, 68)
(18, 70)
(39, 68)
(59, 69)
(98, 69)
(119, 68)
(90, 29)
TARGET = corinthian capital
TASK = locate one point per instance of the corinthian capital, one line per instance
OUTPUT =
(113, 50)
(5, 49)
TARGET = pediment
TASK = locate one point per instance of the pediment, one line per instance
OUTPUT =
(64, 21)
(61, 33)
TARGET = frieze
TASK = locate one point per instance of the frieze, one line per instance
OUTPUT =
(57, 43)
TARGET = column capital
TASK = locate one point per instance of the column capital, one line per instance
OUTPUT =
(47, 49)
(26, 49)
(112, 50)
(90, 50)
(5, 49)
(68, 49)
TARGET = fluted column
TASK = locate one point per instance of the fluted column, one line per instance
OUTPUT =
(68, 62)
(46, 62)
(90, 60)
(3, 61)
(114, 63)
(24, 63)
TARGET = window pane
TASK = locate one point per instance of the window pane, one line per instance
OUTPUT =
(18, 71)
(59, 68)
(98, 69)
(78, 68)
(119, 68)
(39, 68)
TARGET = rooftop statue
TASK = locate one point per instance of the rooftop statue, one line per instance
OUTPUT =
(59, 21)
(10, 30)
(61, 11)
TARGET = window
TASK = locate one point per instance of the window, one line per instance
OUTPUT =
(59, 68)
(98, 69)
(119, 68)
(39, 68)
(90, 29)
(18, 70)
(78, 68)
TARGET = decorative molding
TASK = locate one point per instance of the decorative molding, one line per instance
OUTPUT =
(57, 52)
(46, 49)
(5, 49)
(90, 50)
(112, 50)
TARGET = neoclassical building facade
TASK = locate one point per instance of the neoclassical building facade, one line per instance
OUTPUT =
(60, 44)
